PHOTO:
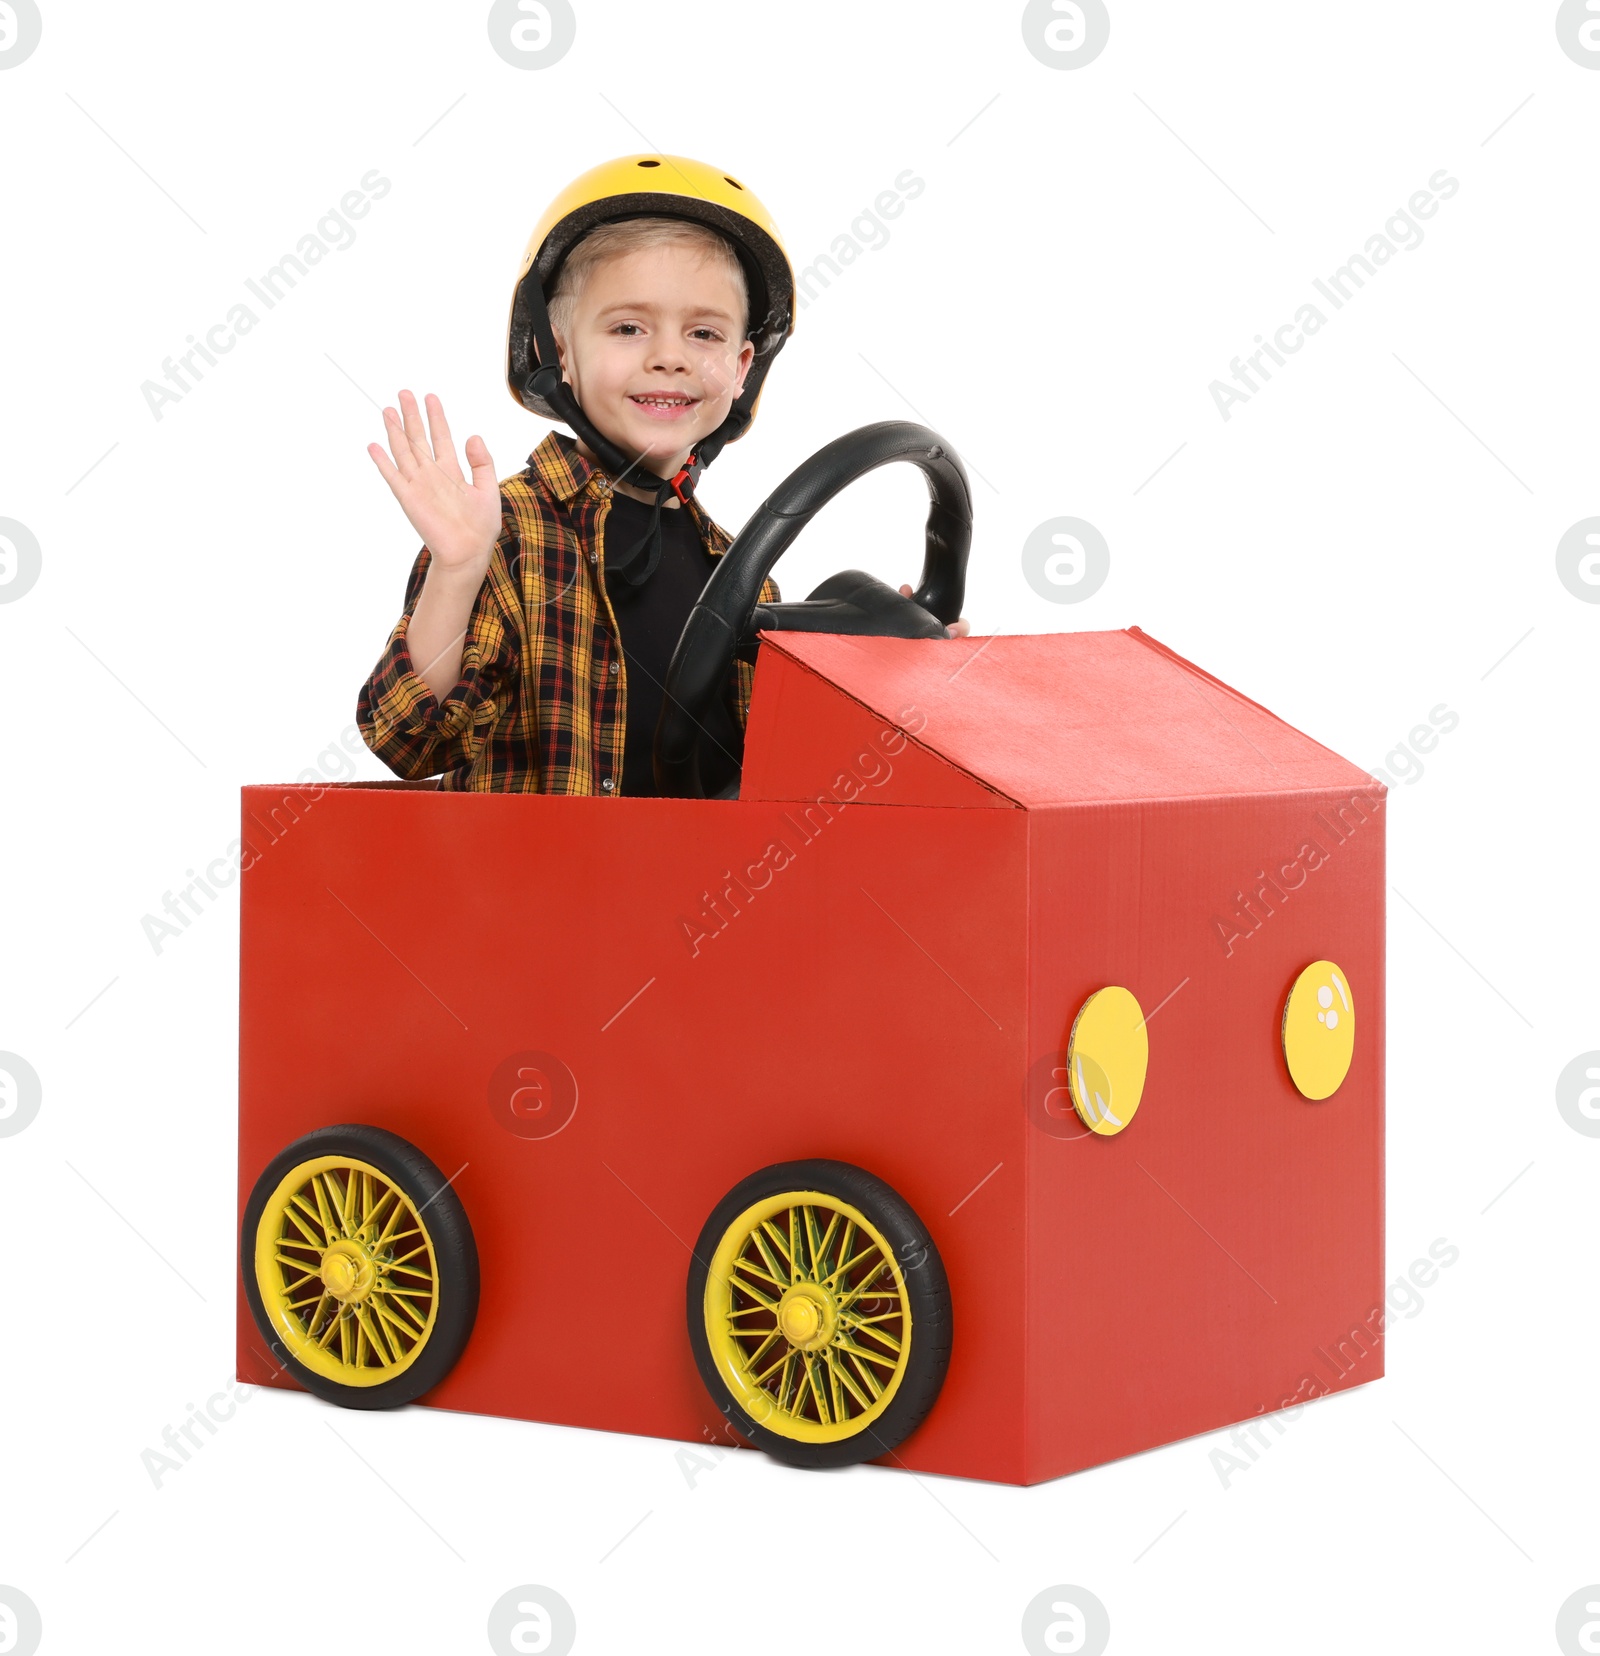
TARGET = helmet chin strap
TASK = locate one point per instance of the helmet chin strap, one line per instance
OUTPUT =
(638, 564)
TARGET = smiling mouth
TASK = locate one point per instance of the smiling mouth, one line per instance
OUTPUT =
(663, 404)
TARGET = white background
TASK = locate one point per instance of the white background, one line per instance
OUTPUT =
(1362, 541)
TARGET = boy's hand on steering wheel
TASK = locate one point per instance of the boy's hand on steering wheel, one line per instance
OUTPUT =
(957, 629)
(458, 519)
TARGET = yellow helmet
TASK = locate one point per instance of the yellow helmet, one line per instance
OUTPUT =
(647, 186)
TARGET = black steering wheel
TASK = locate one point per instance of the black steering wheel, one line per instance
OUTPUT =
(727, 616)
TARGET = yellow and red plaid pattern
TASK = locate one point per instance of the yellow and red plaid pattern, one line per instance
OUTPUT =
(541, 702)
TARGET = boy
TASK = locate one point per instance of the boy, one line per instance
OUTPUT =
(534, 646)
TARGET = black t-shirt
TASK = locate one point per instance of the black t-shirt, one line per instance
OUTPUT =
(651, 618)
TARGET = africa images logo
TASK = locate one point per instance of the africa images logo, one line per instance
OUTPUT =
(1400, 233)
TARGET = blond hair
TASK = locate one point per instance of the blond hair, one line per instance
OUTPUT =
(617, 240)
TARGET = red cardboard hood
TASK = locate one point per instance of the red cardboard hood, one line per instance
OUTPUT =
(1046, 719)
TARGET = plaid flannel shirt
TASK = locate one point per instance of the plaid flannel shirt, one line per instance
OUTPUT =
(541, 704)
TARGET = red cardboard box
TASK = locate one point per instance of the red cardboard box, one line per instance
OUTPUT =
(942, 848)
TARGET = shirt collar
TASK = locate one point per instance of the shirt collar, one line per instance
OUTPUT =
(557, 464)
(565, 474)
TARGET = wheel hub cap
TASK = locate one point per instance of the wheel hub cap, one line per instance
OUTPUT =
(806, 1316)
(348, 1272)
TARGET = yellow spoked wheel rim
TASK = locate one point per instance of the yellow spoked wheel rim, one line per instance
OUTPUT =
(808, 1316)
(346, 1271)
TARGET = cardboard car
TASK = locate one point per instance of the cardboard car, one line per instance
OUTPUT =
(994, 1087)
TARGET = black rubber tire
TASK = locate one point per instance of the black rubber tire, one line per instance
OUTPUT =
(455, 1253)
(926, 1283)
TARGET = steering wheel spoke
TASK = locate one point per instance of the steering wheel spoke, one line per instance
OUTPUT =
(849, 602)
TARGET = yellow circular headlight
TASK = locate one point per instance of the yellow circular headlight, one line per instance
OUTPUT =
(1108, 1053)
(1319, 1029)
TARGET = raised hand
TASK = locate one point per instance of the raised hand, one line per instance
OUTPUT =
(457, 519)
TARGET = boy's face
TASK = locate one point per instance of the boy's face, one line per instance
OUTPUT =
(656, 357)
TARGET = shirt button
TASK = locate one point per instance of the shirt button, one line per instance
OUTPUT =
(607, 783)
(594, 557)
(613, 667)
